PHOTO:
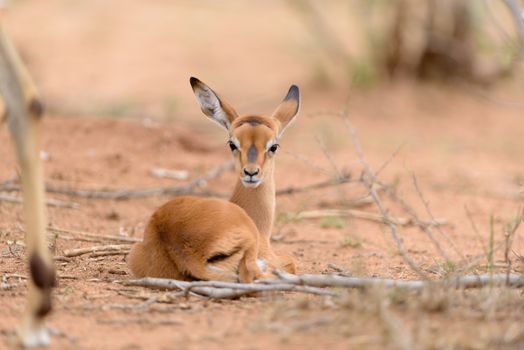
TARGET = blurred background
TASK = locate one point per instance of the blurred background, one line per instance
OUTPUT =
(434, 89)
(134, 58)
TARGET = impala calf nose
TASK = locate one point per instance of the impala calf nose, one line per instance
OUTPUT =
(251, 172)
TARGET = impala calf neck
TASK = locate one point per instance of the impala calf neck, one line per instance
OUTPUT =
(211, 239)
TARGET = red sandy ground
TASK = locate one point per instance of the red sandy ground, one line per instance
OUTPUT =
(464, 150)
(458, 160)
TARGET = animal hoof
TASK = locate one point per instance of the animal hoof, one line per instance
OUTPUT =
(35, 337)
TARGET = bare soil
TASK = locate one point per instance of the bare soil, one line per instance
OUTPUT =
(458, 161)
(465, 152)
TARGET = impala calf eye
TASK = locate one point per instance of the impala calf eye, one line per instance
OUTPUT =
(232, 146)
(274, 148)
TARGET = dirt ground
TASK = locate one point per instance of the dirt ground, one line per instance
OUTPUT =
(458, 161)
(464, 150)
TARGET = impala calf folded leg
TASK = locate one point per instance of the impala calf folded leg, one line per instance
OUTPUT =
(180, 243)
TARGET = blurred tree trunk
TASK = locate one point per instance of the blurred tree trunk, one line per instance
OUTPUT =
(445, 40)
(447, 50)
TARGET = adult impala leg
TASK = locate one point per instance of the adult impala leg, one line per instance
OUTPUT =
(23, 112)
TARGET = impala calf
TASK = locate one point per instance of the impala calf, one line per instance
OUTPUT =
(210, 239)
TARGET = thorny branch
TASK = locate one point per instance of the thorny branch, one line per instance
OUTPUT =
(315, 284)
(391, 192)
(368, 178)
(427, 228)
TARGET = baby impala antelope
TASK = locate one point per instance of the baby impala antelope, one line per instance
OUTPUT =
(194, 238)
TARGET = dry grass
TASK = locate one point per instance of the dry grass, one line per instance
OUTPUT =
(434, 318)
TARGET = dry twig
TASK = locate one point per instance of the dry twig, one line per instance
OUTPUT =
(7, 286)
(222, 290)
(50, 202)
(189, 189)
(368, 178)
(389, 160)
(138, 320)
(112, 248)
(426, 228)
(92, 236)
(139, 193)
(364, 215)
(422, 225)
(170, 173)
(328, 156)
(313, 284)
(509, 235)
(109, 253)
(471, 281)
(469, 215)
(343, 179)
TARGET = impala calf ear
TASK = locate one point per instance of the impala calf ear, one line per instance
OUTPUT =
(288, 108)
(215, 108)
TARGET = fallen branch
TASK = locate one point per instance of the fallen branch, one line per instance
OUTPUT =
(7, 286)
(13, 275)
(104, 248)
(109, 253)
(138, 193)
(359, 202)
(364, 215)
(170, 174)
(67, 277)
(222, 290)
(253, 287)
(93, 236)
(314, 284)
(471, 281)
(338, 269)
(343, 179)
(50, 202)
(189, 189)
(138, 320)
(62, 259)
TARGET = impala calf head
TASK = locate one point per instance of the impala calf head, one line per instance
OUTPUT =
(253, 139)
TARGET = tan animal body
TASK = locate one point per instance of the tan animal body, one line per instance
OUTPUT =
(194, 238)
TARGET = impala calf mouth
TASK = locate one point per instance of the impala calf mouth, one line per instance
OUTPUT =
(251, 183)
